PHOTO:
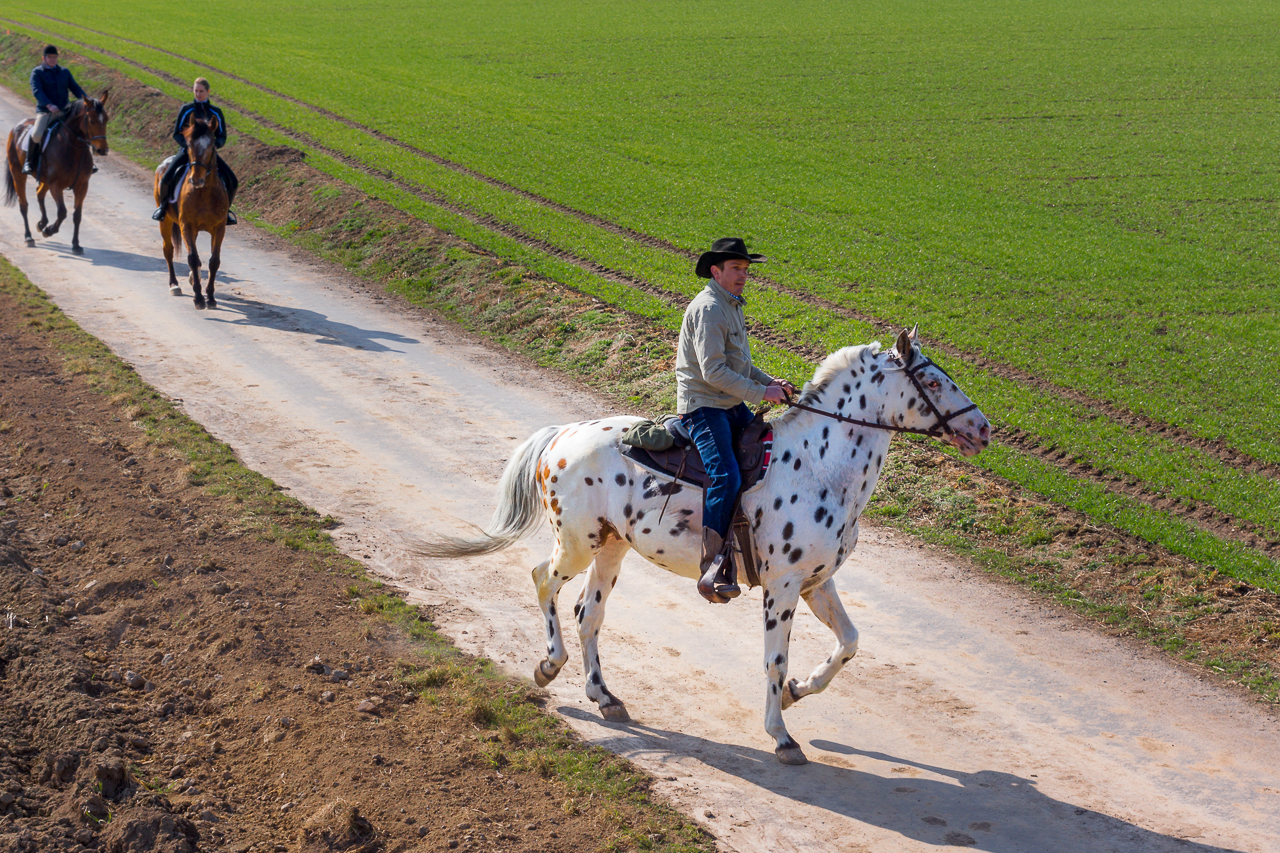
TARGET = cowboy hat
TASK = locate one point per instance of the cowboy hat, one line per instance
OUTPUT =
(724, 249)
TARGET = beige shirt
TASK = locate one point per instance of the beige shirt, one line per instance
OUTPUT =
(713, 363)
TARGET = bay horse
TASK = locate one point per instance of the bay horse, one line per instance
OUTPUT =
(201, 206)
(827, 455)
(66, 163)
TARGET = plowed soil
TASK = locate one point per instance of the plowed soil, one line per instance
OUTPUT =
(170, 684)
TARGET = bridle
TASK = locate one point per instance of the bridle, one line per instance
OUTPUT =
(938, 430)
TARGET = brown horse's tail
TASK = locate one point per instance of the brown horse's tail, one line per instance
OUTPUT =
(10, 191)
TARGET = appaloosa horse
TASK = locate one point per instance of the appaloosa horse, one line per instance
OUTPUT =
(201, 206)
(66, 163)
(827, 456)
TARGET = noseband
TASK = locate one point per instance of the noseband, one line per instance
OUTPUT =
(940, 429)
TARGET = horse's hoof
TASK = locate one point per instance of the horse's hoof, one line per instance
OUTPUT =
(31, 242)
(76, 250)
(175, 290)
(615, 712)
(792, 756)
(213, 303)
(789, 696)
(545, 674)
(199, 304)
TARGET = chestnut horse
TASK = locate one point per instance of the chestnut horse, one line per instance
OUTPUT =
(66, 163)
(201, 206)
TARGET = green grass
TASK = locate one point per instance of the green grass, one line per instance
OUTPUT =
(1038, 184)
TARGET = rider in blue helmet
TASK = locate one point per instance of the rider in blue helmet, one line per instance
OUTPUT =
(201, 108)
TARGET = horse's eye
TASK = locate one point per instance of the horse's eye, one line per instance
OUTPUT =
(933, 385)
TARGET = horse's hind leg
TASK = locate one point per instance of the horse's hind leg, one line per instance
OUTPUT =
(170, 235)
(548, 577)
(589, 612)
(825, 603)
(41, 189)
(20, 190)
(62, 215)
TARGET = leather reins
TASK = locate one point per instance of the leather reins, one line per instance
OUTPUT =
(938, 430)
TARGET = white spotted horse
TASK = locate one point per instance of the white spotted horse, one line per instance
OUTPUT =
(828, 451)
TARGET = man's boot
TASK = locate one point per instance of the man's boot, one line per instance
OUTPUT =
(33, 158)
(716, 584)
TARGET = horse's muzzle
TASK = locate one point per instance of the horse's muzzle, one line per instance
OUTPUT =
(972, 438)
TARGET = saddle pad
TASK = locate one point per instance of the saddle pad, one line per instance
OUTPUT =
(24, 141)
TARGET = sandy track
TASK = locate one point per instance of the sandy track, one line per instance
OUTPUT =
(973, 716)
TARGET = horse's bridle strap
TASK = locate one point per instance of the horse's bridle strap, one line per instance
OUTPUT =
(941, 428)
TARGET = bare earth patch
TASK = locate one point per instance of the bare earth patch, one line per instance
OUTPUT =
(172, 682)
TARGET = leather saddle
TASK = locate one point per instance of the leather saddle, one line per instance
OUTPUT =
(682, 461)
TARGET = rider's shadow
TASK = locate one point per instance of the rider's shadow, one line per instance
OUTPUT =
(303, 321)
(133, 262)
(984, 809)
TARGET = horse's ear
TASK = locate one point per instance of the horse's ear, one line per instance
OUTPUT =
(914, 338)
(106, 93)
(903, 346)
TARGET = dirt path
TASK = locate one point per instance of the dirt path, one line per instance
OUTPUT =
(972, 716)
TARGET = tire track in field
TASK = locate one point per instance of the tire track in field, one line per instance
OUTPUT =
(1216, 449)
(1203, 516)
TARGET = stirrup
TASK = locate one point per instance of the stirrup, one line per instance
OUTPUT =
(231, 218)
(715, 585)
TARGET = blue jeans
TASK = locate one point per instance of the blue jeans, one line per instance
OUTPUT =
(713, 431)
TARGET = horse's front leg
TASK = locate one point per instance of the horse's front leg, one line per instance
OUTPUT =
(189, 235)
(589, 612)
(549, 577)
(215, 259)
(80, 192)
(781, 597)
(825, 603)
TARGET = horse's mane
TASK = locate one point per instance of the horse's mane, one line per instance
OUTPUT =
(831, 366)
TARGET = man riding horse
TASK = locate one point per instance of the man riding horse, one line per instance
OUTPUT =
(715, 379)
(52, 86)
(200, 108)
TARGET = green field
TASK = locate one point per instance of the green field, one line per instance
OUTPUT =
(1077, 202)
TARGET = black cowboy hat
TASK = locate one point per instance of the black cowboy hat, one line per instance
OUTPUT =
(50, 49)
(725, 249)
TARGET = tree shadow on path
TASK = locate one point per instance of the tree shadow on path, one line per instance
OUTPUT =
(985, 810)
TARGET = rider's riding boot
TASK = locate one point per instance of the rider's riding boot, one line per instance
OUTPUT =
(716, 585)
(33, 158)
(158, 215)
(231, 218)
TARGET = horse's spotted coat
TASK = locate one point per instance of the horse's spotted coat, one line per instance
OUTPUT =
(803, 530)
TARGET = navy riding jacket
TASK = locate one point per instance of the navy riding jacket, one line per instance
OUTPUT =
(50, 86)
(204, 111)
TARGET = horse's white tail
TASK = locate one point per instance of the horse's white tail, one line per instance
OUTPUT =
(519, 506)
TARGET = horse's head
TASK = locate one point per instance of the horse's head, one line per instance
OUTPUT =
(92, 118)
(932, 401)
(200, 135)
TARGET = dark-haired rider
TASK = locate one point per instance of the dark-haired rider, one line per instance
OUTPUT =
(200, 108)
(52, 86)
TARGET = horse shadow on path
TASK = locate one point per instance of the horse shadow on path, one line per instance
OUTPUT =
(132, 262)
(985, 810)
(306, 322)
